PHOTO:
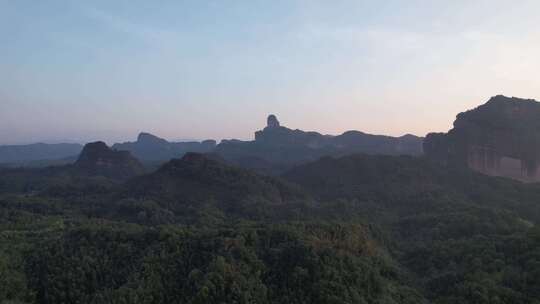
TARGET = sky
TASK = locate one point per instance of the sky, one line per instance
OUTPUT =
(88, 70)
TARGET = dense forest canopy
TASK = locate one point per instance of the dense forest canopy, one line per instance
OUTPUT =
(355, 229)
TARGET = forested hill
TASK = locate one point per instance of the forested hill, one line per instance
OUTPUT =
(464, 237)
(411, 184)
(198, 180)
(356, 229)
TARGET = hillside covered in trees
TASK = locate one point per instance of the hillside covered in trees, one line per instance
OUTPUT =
(355, 229)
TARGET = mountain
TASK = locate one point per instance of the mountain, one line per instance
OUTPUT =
(98, 168)
(197, 180)
(447, 226)
(149, 147)
(97, 159)
(22, 154)
(405, 185)
(499, 138)
(390, 229)
(354, 229)
(277, 146)
(359, 228)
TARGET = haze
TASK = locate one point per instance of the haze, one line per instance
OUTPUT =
(86, 70)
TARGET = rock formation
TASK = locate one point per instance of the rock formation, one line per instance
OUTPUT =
(280, 147)
(97, 159)
(149, 147)
(272, 121)
(149, 139)
(499, 138)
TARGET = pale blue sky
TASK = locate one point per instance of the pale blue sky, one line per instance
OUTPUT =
(87, 70)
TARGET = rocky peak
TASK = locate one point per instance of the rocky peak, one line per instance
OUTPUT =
(98, 159)
(147, 138)
(92, 152)
(272, 121)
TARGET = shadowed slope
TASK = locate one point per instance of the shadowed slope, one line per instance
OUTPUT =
(198, 179)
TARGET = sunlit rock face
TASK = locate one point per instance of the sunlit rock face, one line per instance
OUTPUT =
(499, 138)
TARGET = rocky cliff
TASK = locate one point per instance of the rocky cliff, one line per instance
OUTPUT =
(499, 138)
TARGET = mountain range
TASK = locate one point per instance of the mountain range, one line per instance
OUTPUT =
(370, 227)
(277, 148)
(149, 147)
(499, 138)
(274, 148)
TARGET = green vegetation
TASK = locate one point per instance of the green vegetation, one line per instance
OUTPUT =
(359, 229)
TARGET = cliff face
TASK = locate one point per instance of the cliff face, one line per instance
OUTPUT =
(499, 138)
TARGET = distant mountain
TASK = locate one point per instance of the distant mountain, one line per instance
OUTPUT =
(97, 159)
(275, 148)
(21, 154)
(33, 164)
(149, 147)
(97, 168)
(278, 146)
(499, 138)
